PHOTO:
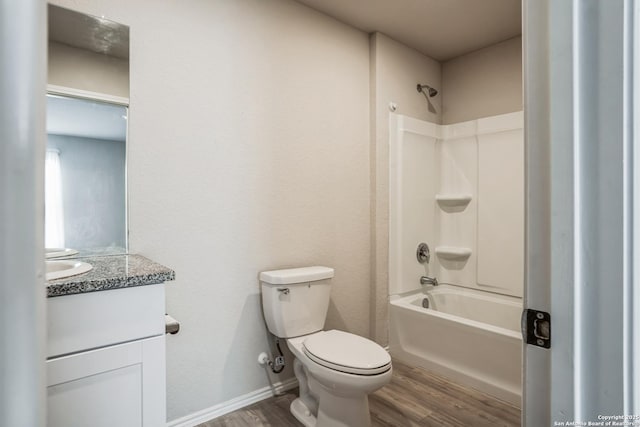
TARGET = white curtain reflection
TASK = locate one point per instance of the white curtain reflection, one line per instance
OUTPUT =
(54, 209)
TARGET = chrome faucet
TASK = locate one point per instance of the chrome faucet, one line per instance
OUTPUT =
(426, 280)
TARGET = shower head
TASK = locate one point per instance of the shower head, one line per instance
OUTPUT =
(431, 91)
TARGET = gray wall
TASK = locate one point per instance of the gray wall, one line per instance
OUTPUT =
(483, 83)
(94, 195)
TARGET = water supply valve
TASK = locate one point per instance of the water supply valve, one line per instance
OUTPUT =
(279, 362)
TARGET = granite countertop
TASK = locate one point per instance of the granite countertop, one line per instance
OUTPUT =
(111, 272)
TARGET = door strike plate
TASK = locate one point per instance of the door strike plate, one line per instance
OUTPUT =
(536, 327)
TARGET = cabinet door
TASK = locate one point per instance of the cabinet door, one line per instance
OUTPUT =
(106, 387)
(111, 398)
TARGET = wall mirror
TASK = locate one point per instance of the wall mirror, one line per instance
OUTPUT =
(87, 117)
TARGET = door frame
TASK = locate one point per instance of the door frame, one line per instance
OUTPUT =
(580, 64)
(23, 67)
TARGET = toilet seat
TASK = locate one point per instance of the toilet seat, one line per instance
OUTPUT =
(345, 352)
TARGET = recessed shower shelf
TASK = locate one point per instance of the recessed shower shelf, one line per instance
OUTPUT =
(453, 253)
(453, 200)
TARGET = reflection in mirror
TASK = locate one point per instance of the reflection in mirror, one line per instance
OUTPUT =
(85, 175)
(88, 32)
(88, 53)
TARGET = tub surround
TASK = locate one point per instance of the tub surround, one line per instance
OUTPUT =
(111, 272)
(468, 206)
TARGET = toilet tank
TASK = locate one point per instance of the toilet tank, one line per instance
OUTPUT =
(295, 300)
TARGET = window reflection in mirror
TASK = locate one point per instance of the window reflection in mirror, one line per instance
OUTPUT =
(85, 175)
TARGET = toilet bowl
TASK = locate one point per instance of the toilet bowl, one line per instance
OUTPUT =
(336, 370)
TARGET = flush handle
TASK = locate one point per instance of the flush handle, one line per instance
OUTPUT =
(284, 290)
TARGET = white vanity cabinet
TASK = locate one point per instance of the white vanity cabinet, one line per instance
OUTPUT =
(106, 358)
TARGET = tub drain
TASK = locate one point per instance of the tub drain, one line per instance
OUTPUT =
(425, 302)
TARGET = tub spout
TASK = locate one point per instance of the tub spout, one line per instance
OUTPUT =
(425, 280)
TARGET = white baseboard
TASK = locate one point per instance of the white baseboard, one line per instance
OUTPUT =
(220, 409)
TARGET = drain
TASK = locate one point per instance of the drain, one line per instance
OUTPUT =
(425, 302)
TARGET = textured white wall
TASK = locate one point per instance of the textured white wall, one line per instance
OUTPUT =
(395, 71)
(483, 83)
(82, 69)
(248, 150)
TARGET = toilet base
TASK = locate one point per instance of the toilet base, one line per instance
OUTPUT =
(334, 412)
(338, 411)
(319, 406)
(302, 413)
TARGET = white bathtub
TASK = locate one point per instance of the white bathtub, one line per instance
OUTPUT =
(471, 337)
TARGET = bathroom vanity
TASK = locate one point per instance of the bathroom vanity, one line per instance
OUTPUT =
(106, 344)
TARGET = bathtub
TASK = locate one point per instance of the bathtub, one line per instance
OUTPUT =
(469, 336)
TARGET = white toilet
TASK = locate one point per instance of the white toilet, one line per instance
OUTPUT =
(336, 370)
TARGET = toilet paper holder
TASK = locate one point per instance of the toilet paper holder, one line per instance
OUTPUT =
(171, 325)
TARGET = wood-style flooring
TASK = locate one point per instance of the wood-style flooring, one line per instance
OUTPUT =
(414, 397)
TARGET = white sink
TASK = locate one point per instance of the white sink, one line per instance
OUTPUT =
(58, 252)
(60, 269)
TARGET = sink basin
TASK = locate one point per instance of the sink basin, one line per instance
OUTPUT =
(58, 252)
(61, 269)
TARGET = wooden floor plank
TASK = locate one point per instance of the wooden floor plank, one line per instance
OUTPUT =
(385, 413)
(494, 408)
(400, 368)
(414, 398)
(460, 406)
(404, 397)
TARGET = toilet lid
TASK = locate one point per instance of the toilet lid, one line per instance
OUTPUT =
(347, 352)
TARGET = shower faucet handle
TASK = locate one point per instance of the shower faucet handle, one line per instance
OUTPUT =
(423, 254)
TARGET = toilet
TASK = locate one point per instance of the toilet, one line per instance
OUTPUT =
(336, 370)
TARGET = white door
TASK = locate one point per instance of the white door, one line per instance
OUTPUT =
(581, 84)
